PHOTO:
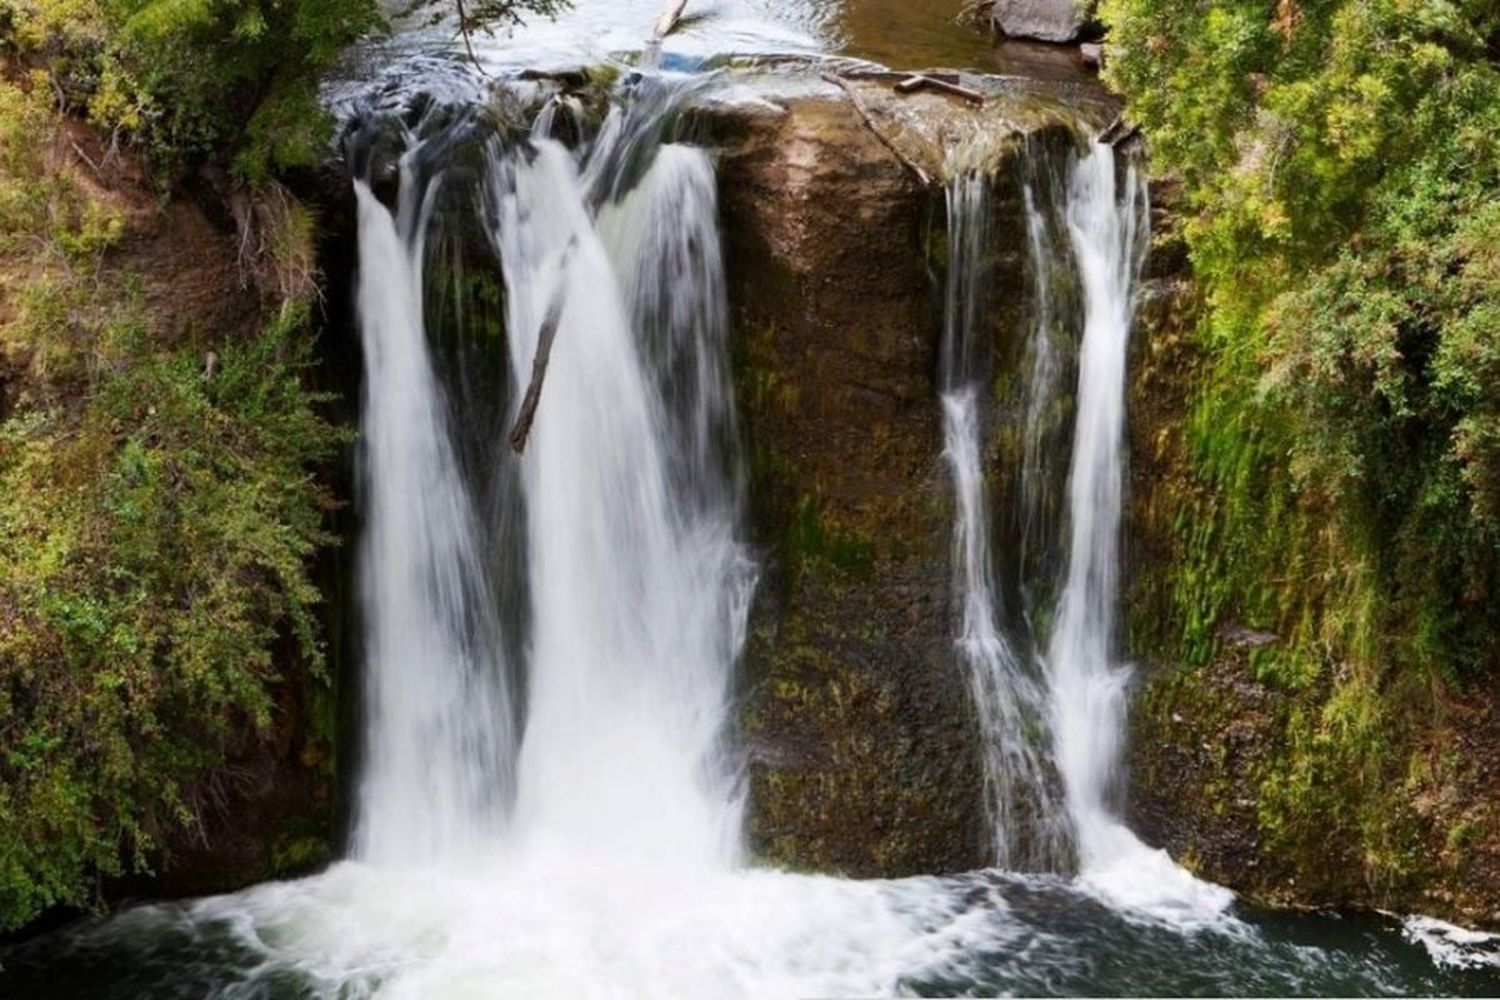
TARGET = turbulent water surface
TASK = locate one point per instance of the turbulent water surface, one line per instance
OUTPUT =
(550, 796)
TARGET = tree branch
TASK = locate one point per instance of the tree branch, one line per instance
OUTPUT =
(545, 336)
(864, 114)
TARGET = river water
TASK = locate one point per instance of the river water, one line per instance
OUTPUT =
(550, 799)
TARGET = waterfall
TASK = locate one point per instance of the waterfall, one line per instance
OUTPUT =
(1065, 691)
(1107, 222)
(1027, 830)
(1087, 682)
(626, 541)
(1047, 428)
(437, 743)
(638, 584)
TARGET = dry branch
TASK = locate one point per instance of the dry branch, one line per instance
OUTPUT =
(947, 82)
(864, 114)
(545, 336)
(464, 27)
(667, 23)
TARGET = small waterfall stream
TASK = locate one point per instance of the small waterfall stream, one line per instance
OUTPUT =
(1052, 709)
(1028, 829)
(1086, 680)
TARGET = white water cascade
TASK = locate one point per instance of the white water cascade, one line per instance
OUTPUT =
(1107, 226)
(1028, 831)
(1046, 431)
(1087, 682)
(1052, 715)
(438, 744)
(638, 584)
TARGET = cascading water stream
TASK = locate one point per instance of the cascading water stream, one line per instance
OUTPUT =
(1046, 429)
(1050, 810)
(1027, 829)
(438, 745)
(1087, 683)
(637, 580)
(1107, 226)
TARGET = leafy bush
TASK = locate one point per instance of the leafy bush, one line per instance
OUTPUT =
(1342, 160)
(150, 555)
(156, 523)
(193, 79)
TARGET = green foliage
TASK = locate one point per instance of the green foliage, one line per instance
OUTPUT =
(149, 558)
(1342, 160)
(193, 79)
(157, 515)
(39, 206)
(810, 540)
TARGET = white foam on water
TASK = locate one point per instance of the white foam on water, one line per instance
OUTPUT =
(1451, 946)
(558, 927)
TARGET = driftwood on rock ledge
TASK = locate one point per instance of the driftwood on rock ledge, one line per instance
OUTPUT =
(864, 114)
(946, 82)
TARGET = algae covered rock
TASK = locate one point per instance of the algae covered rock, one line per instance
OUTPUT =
(863, 743)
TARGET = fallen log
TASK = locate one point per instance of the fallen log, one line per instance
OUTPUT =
(545, 336)
(667, 23)
(941, 81)
(864, 114)
(917, 81)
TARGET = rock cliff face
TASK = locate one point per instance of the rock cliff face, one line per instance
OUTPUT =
(863, 751)
(862, 738)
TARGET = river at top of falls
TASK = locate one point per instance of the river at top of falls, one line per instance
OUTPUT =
(550, 803)
(589, 33)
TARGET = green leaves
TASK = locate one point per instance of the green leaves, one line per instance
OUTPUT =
(149, 558)
(232, 80)
(155, 530)
(1342, 161)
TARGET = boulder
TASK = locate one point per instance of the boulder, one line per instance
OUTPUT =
(1043, 20)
